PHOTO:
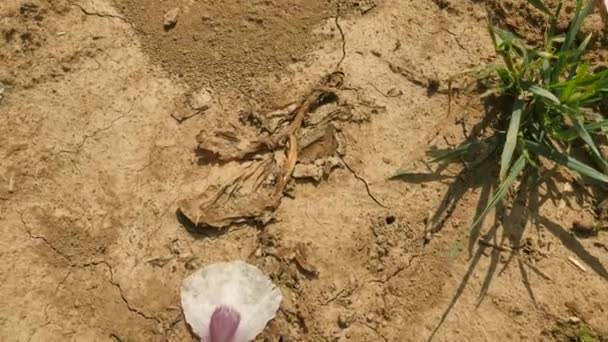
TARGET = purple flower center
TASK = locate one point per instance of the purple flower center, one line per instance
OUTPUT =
(224, 322)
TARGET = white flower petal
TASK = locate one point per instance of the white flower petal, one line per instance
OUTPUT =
(236, 284)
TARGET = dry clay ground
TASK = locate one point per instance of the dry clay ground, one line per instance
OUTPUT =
(93, 164)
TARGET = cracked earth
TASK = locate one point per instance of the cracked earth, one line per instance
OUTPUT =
(93, 163)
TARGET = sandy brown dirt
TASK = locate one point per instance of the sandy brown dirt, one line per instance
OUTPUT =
(229, 44)
(93, 164)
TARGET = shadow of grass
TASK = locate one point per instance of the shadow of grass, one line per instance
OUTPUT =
(525, 211)
(510, 222)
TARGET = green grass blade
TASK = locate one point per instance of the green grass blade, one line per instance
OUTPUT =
(544, 93)
(577, 56)
(517, 168)
(511, 141)
(540, 5)
(571, 134)
(553, 26)
(566, 161)
(567, 92)
(584, 134)
(575, 116)
(575, 26)
(576, 23)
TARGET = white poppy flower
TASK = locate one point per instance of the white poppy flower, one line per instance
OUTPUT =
(229, 302)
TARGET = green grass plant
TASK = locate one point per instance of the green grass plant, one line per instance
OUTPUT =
(553, 94)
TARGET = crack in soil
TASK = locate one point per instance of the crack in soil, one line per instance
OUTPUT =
(389, 277)
(73, 265)
(343, 37)
(97, 14)
(92, 135)
(42, 238)
(362, 180)
(124, 298)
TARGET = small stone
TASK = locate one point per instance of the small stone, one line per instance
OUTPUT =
(584, 229)
(376, 265)
(177, 247)
(170, 18)
(394, 92)
(574, 320)
(343, 321)
(200, 101)
(370, 317)
(366, 6)
(193, 263)
(373, 253)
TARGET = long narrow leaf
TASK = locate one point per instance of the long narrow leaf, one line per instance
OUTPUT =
(571, 134)
(553, 26)
(544, 93)
(577, 56)
(575, 26)
(517, 168)
(540, 5)
(580, 129)
(575, 115)
(566, 161)
(511, 141)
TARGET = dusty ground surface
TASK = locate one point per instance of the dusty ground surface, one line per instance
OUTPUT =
(93, 165)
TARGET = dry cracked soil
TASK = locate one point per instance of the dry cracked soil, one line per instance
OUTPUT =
(103, 105)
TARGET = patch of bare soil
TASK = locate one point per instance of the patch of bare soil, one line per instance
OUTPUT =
(229, 44)
(135, 139)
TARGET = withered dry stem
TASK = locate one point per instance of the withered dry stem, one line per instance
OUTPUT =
(227, 206)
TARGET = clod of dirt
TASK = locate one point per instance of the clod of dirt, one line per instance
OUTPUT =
(306, 171)
(170, 18)
(200, 100)
(344, 320)
(318, 170)
(584, 229)
(302, 258)
(362, 6)
(193, 104)
(298, 255)
(394, 92)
